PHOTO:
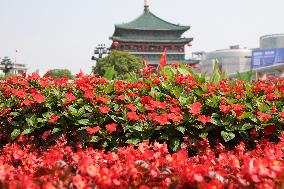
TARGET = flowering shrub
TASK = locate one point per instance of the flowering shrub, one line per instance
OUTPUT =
(148, 166)
(188, 132)
(167, 107)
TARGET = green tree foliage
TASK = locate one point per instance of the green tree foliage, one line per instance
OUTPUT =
(123, 64)
(6, 60)
(60, 73)
(7, 63)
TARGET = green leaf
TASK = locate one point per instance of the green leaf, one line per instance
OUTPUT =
(41, 120)
(244, 134)
(27, 131)
(73, 111)
(132, 127)
(215, 119)
(137, 128)
(183, 100)
(81, 111)
(133, 141)
(253, 118)
(88, 108)
(94, 139)
(246, 126)
(55, 130)
(181, 129)
(203, 135)
(104, 144)
(231, 127)
(227, 136)
(46, 115)
(169, 72)
(183, 71)
(245, 115)
(14, 114)
(108, 89)
(177, 91)
(83, 122)
(15, 134)
(263, 107)
(175, 145)
(32, 120)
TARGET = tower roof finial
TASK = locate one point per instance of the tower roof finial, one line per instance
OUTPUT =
(146, 5)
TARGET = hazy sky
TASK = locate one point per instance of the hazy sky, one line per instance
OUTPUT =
(63, 33)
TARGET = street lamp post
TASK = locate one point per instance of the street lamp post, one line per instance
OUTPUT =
(100, 50)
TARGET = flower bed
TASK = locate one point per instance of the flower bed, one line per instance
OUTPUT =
(172, 130)
(148, 166)
(169, 107)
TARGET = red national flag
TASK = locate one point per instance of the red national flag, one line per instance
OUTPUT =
(163, 60)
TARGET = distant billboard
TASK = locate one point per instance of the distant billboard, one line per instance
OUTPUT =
(267, 57)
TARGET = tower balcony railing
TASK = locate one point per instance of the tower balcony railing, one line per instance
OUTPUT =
(151, 49)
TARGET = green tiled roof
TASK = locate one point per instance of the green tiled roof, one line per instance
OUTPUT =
(178, 40)
(149, 21)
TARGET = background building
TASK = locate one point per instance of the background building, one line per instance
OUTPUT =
(232, 60)
(268, 60)
(17, 69)
(148, 35)
(271, 41)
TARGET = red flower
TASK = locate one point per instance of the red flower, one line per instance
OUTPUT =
(272, 96)
(79, 182)
(53, 119)
(38, 97)
(20, 93)
(264, 116)
(111, 127)
(144, 187)
(269, 130)
(93, 130)
(10, 119)
(5, 111)
(104, 109)
(43, 83)
(282, 114)
(174, 117)
(131, 107)
(45, 135)
(223, 101)
(27, 102)
(121, 97)
(195, 108)
(161, 119)
(204, 119)
(238, 107)
(273, 110)
(132, 116)
(89, 94)
(225, 109)
(70, 97)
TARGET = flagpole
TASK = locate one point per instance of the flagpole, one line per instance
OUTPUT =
(16, 56)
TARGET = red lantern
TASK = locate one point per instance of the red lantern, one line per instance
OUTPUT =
(115, 43)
